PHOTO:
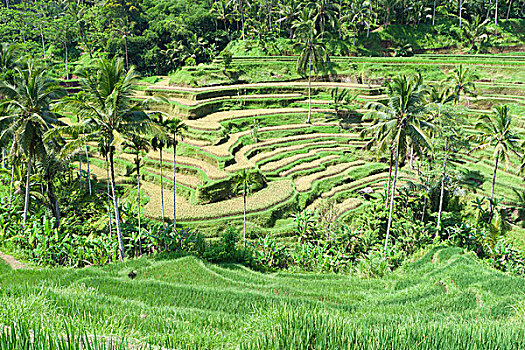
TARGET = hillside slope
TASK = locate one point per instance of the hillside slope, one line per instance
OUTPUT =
(186, 303)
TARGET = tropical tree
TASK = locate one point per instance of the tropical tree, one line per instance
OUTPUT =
(106, 102)
(158, 142)
(313, 52)
(54, 162)
(326, 13)
(28, 101)
(243, 182)
(8, 60)
(397, 122)
(463, 83)
(138, 146)
(475, 31)
(175, 128)
(496, 131)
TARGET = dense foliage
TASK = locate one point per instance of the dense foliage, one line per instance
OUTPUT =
(163, 35)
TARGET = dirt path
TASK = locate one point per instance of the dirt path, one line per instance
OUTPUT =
(15, 264)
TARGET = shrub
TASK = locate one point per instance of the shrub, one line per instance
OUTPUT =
(270, 255)
(226, 250)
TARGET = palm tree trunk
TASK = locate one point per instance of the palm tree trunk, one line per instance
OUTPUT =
(389, 177)
(138, 189)
(174, 187)
(496, 14)
(508, 9)
(434, 13)
(28, 184)
(115, 204)
(53, 203)
(88, 170)
(424, 209)
(67, 62)
(80, 170)
(491, 204)
(460, 8)
(244, 216)
(441, 194)
(161, 189)
(11, 184)
(389, 225)
(369, 20)
(43, 45)
(109, 198)
(309, 87)
(57, 211)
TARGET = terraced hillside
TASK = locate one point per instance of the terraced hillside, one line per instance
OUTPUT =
(305, 164)
(445, 300)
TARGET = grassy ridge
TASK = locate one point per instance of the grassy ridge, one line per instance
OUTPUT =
(446, 298)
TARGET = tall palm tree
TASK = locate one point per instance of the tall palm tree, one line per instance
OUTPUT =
(398, 122)
(243, 182)
(158, 142)
(175, 128)
(49, 167)
(137, 146)
(106, 103)
(313, 52)
(28, 99)
(463, 82)
(496, 130)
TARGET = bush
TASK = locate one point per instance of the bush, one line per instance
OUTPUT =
(270, 255)
(226, 250)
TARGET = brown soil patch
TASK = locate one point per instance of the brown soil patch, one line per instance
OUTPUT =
(12, 262)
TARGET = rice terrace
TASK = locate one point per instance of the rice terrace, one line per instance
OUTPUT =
(246, 174)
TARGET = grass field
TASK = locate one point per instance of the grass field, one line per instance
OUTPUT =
(444, 300)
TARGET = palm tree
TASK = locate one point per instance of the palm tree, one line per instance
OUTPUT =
(326, 12)
(158, 142)
(243, 182)
(475, 30)
(289, 11)
(107, 107)
(463, 81)
(124, 28)
(398, 122)
(496, 130)
(29, 98)
(49, 167)
(175, 128)
(222, 11)
(313, 52)
(137, 145)
(8, 60)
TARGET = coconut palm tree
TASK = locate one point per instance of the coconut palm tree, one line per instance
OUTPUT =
(463, 83)
(175, 128)
(243, 182)
(8, 60)
(109, 114)
(158, 142)
(313, 52)
(326, 13)
(28, 101)
(137, 146)
(496, 131)
(54, 162)
(398, 122)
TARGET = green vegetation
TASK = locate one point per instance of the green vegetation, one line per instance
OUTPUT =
(282, 174)
(446, 297)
